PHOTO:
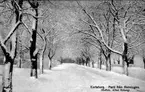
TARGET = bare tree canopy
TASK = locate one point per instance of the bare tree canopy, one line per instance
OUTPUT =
(41, 34)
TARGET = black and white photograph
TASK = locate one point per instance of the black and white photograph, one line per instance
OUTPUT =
(72, 45)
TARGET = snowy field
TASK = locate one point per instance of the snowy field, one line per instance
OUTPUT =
(75, 78)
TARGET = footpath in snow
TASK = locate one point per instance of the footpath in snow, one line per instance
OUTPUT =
(75, 78)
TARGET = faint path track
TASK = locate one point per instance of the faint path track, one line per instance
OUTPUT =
(72, 78)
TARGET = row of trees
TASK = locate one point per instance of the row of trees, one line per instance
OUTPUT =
(24, 27)
(113, 27)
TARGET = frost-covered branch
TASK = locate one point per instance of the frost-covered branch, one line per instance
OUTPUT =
(27, 28)
(100, 31)
(12, 31)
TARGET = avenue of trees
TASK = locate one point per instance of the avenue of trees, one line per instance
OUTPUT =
(114, 27)
(38, 28)
(21, 29)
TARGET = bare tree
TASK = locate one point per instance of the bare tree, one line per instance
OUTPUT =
(43, 49)
(122, 22)
(85, 53)
(10, 54)
(126, 21)
(108, 34)
(33, 50)
(52, 46)
(20, 46)
(100, 60)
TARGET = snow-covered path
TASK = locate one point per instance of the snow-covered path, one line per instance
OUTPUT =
(74, 78)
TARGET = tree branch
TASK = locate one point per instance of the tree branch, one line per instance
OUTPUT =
(12, 31)
(136, 39)
(92, 44)
(27, 28)
(136, 45)
(41, 36)
(36, 17)
(24, 46)
(100, 31)
(4, 48)
(103, 43)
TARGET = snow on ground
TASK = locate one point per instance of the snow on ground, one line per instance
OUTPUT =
(135, 72)
(73, 78)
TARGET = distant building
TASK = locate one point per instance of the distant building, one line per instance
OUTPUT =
(138, 61)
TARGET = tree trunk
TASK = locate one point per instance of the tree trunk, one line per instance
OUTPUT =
(109, 62)
(34, 66)
(8, 62)
(41, 63)
(106, 63)
(33, 49)
(19, 63)
(42, 55)
(8, 65)
(100, 60)
(144, 64)
(33, 57)
(98, 65)
(20, 56)
(49, 64)
(125, 59)
(144, 61)
(11, 54)
(7, 74)
(93, 63)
